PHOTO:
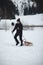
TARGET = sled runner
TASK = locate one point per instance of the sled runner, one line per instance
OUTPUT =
(26, 43)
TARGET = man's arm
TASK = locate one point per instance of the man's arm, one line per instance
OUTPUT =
(14, 28)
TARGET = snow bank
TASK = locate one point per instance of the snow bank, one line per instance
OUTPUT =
(26, 20)
(32, 19)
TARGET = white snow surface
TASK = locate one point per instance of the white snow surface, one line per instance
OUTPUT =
(22, 55)
(26, 20)
(25, 55)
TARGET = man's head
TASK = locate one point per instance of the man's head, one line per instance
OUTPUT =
(18, 20)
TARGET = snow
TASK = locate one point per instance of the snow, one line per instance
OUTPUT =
(32, 19)
(26, 20)
(25, 55)
(22, 55)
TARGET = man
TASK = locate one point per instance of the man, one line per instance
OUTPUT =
(19, 28)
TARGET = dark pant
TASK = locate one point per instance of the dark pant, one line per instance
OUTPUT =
(20, 36)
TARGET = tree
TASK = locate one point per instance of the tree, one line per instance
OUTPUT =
(8, 9)
(40, 5)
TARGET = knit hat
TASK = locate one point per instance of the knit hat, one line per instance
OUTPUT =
(18, 19)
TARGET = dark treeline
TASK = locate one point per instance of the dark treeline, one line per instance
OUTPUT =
(7, 9)
(40, 6)
(33, 10)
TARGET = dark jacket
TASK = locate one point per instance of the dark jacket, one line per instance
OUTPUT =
(18, 27)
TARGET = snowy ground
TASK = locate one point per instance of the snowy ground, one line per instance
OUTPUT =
(15, 55)
(25, 55)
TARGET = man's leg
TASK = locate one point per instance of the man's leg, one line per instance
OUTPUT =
(21, 39)
(17, 42)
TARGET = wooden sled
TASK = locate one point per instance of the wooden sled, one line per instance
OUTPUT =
(25, 43)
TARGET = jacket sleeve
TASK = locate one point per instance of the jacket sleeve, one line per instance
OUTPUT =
(14, 28)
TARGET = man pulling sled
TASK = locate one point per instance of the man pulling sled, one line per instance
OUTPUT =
(19, 29)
